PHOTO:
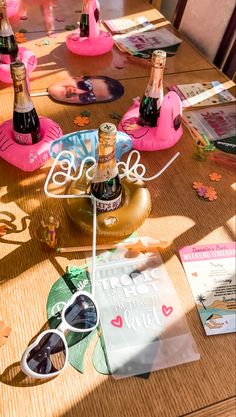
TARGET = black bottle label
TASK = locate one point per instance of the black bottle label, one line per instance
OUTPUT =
(107, 193)
(110, 205)
(26, 127)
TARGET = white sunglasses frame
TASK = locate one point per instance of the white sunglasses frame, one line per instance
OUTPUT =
(62, 328)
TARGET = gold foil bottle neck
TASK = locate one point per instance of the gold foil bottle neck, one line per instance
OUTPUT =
(107, 134)
(18, 71)
(158, 59)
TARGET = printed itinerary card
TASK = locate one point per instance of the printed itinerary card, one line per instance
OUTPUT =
(135, 25)
(202, 94)
(210, 270)
(142, 320)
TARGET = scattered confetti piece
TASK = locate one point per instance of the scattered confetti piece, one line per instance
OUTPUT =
(4, 332)
(115, 115)
(60, 19)
(202, 191)
(197, 185)
(81, 121)
(215, 176)
(85, 113)
(70, 27)
(52, 35)
(78, 11)
(20, 37)
(119, 65)
(3, 229)
(24, 17)
(43, 42)
(211, 194)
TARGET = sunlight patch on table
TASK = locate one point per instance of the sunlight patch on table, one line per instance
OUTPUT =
(231, 225)
(168, 228)
(219, 235)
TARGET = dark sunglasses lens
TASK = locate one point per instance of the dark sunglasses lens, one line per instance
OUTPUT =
(48, 356)
(82, 314)
(87, 98)
(85, 85)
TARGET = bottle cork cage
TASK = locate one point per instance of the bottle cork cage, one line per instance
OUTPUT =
(28, 157)
(165, 135)
(25, 56)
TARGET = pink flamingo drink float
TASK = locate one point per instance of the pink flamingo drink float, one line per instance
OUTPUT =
(25, 141)
(89, 40)
(154, 123)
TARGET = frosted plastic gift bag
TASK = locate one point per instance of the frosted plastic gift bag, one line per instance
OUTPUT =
(143, 323)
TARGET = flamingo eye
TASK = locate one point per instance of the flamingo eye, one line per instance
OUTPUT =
(96, 14)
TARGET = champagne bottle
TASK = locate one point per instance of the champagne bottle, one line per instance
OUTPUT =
(26, 124)
(106, 185)
(8, 45)
(84, 20)
(150, 106)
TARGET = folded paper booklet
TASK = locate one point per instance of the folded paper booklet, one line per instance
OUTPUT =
(218, 124)
(142, 320)
(143, 44)
(122, 25)
(210, 270)
(202, 94)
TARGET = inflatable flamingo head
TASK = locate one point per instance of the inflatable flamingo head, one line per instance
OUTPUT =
(94, 18)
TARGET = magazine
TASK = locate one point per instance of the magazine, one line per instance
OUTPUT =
(202, 94)
(210, 271)
(218, 124)
(143, 44)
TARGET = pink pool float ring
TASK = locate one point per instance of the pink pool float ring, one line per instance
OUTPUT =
(28, 157)
(12, 7)
(98, 41)
(26, 56)
(89, 46)
(165, 135)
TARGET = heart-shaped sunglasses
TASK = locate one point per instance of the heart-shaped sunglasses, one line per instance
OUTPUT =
(47, 356)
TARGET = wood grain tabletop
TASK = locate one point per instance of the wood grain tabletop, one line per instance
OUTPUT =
(56, 63)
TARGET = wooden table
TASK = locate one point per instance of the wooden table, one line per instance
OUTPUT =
(51, 58)
(203, 388)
